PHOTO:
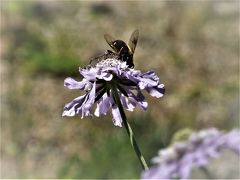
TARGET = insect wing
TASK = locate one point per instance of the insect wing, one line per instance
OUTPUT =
(110, 41)
(132, 43)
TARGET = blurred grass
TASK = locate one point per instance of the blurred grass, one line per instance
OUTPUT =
(193, 47)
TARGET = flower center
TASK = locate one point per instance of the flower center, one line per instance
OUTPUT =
(108, 62)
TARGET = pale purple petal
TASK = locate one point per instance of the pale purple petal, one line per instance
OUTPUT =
(89, 73)
(150, 74)
(139, 100)
(73, 84)
(105, 76)
(103, 106)
(127, 104)
(117, 119)
(184, 170)
(70, 108)
(144, 83)
(233, 140)
(157, 91)
(152, 173)
(86, 109)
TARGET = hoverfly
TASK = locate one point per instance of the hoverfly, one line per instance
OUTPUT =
(121, 50)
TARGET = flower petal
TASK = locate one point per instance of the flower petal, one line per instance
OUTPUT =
(117, 119)
(89, 73)
(139, 100)
(73, 84)
(88, 104)
(157, 91)
(70, 108)
(103, 106)
(105, 76)
(127, 104)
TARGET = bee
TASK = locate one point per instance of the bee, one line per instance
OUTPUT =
(121, 50)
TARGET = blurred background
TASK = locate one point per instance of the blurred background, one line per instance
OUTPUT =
(192, 46)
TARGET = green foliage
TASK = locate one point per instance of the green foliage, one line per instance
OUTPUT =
(35, 53)
(52, 64)
(109, 155)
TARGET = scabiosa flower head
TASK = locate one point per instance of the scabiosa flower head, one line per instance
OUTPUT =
(98, 81)
(178, 160)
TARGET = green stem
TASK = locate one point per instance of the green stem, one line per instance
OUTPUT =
(128, 128)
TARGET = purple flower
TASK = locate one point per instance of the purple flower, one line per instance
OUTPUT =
(98, 81)
(178, 160)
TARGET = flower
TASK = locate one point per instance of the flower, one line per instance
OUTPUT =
(178, 160)
(98, 83)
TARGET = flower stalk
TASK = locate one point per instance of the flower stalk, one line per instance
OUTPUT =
(128, 127)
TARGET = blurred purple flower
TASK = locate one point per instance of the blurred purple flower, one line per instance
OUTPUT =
(178, 160)
(97, 82)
